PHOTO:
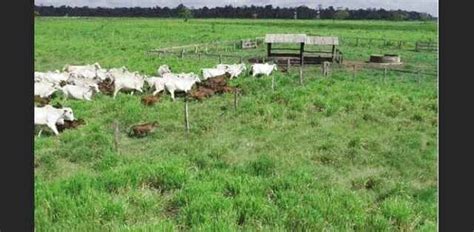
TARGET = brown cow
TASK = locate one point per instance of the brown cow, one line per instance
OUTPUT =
(150, 100)
(143, 129)
(202, 92)
(106, 87)
(70, 124)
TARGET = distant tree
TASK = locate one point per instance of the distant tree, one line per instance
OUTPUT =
(184, 12)
(341, 14)
(398, 15)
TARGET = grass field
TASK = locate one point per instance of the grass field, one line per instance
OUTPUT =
(336, 154)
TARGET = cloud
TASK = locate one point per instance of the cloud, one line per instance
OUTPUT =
(429, 6)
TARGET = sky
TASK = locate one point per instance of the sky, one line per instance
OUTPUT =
(428, 6)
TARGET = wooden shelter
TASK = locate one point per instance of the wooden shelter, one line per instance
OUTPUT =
(308, 56)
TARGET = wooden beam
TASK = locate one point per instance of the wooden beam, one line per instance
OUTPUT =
(301, 53)
(269, 49)
(333, 52)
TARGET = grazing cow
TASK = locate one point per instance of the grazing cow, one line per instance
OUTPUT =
(180, 84)
(68, 124)
(162, 70)
(71, 68)
(79, 92)
(42, 101)
(45, 90)
(233, 69)
(265, 69)
(149, 100)
(128, 83)
(50, 116)
(211, 72)
(143, 129)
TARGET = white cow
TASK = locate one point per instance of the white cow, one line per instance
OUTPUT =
(45, 89)
(180, 84)
(265, 69)
(133, 82)
(162, 70)
(233, 69)
(78, 92)
(52, 77)
(49, 116)
(211, 72)
(114, 72)
(84, 83)
(71, 68)
(156, 83)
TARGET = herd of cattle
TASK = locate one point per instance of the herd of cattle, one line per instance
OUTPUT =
(82, 82)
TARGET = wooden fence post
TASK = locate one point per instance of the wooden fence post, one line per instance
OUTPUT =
(186, 114)
(288, 65)
(220, 58)
(399, 44)
(325, 68)
(273, 83)
(301, 74)
(384, 74)
(195, 49)
(353, 72)
(116, 136)
(235, 99)
(182, 53)
(241, 59)
(416, 46)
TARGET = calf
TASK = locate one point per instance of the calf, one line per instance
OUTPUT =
(143, 129)
(265, 69)
(51, 116)
(68, 124)
(149, 100)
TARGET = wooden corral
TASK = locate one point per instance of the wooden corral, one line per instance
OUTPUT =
(303, 56)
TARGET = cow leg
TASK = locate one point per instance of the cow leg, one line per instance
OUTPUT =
(39, 133)
(52, 126)
(115, 92)
(172, 95)
(155, 92)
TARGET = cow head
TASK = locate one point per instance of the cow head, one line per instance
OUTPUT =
(97, 65)
(68, 114)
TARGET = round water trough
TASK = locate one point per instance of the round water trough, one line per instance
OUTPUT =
(386, 58)
(391, 58)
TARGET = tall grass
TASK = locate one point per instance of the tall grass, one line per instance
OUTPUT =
(335, 154)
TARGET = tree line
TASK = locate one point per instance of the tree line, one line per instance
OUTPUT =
(265, 12)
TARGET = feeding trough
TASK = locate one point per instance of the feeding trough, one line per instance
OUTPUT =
(385, 59)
